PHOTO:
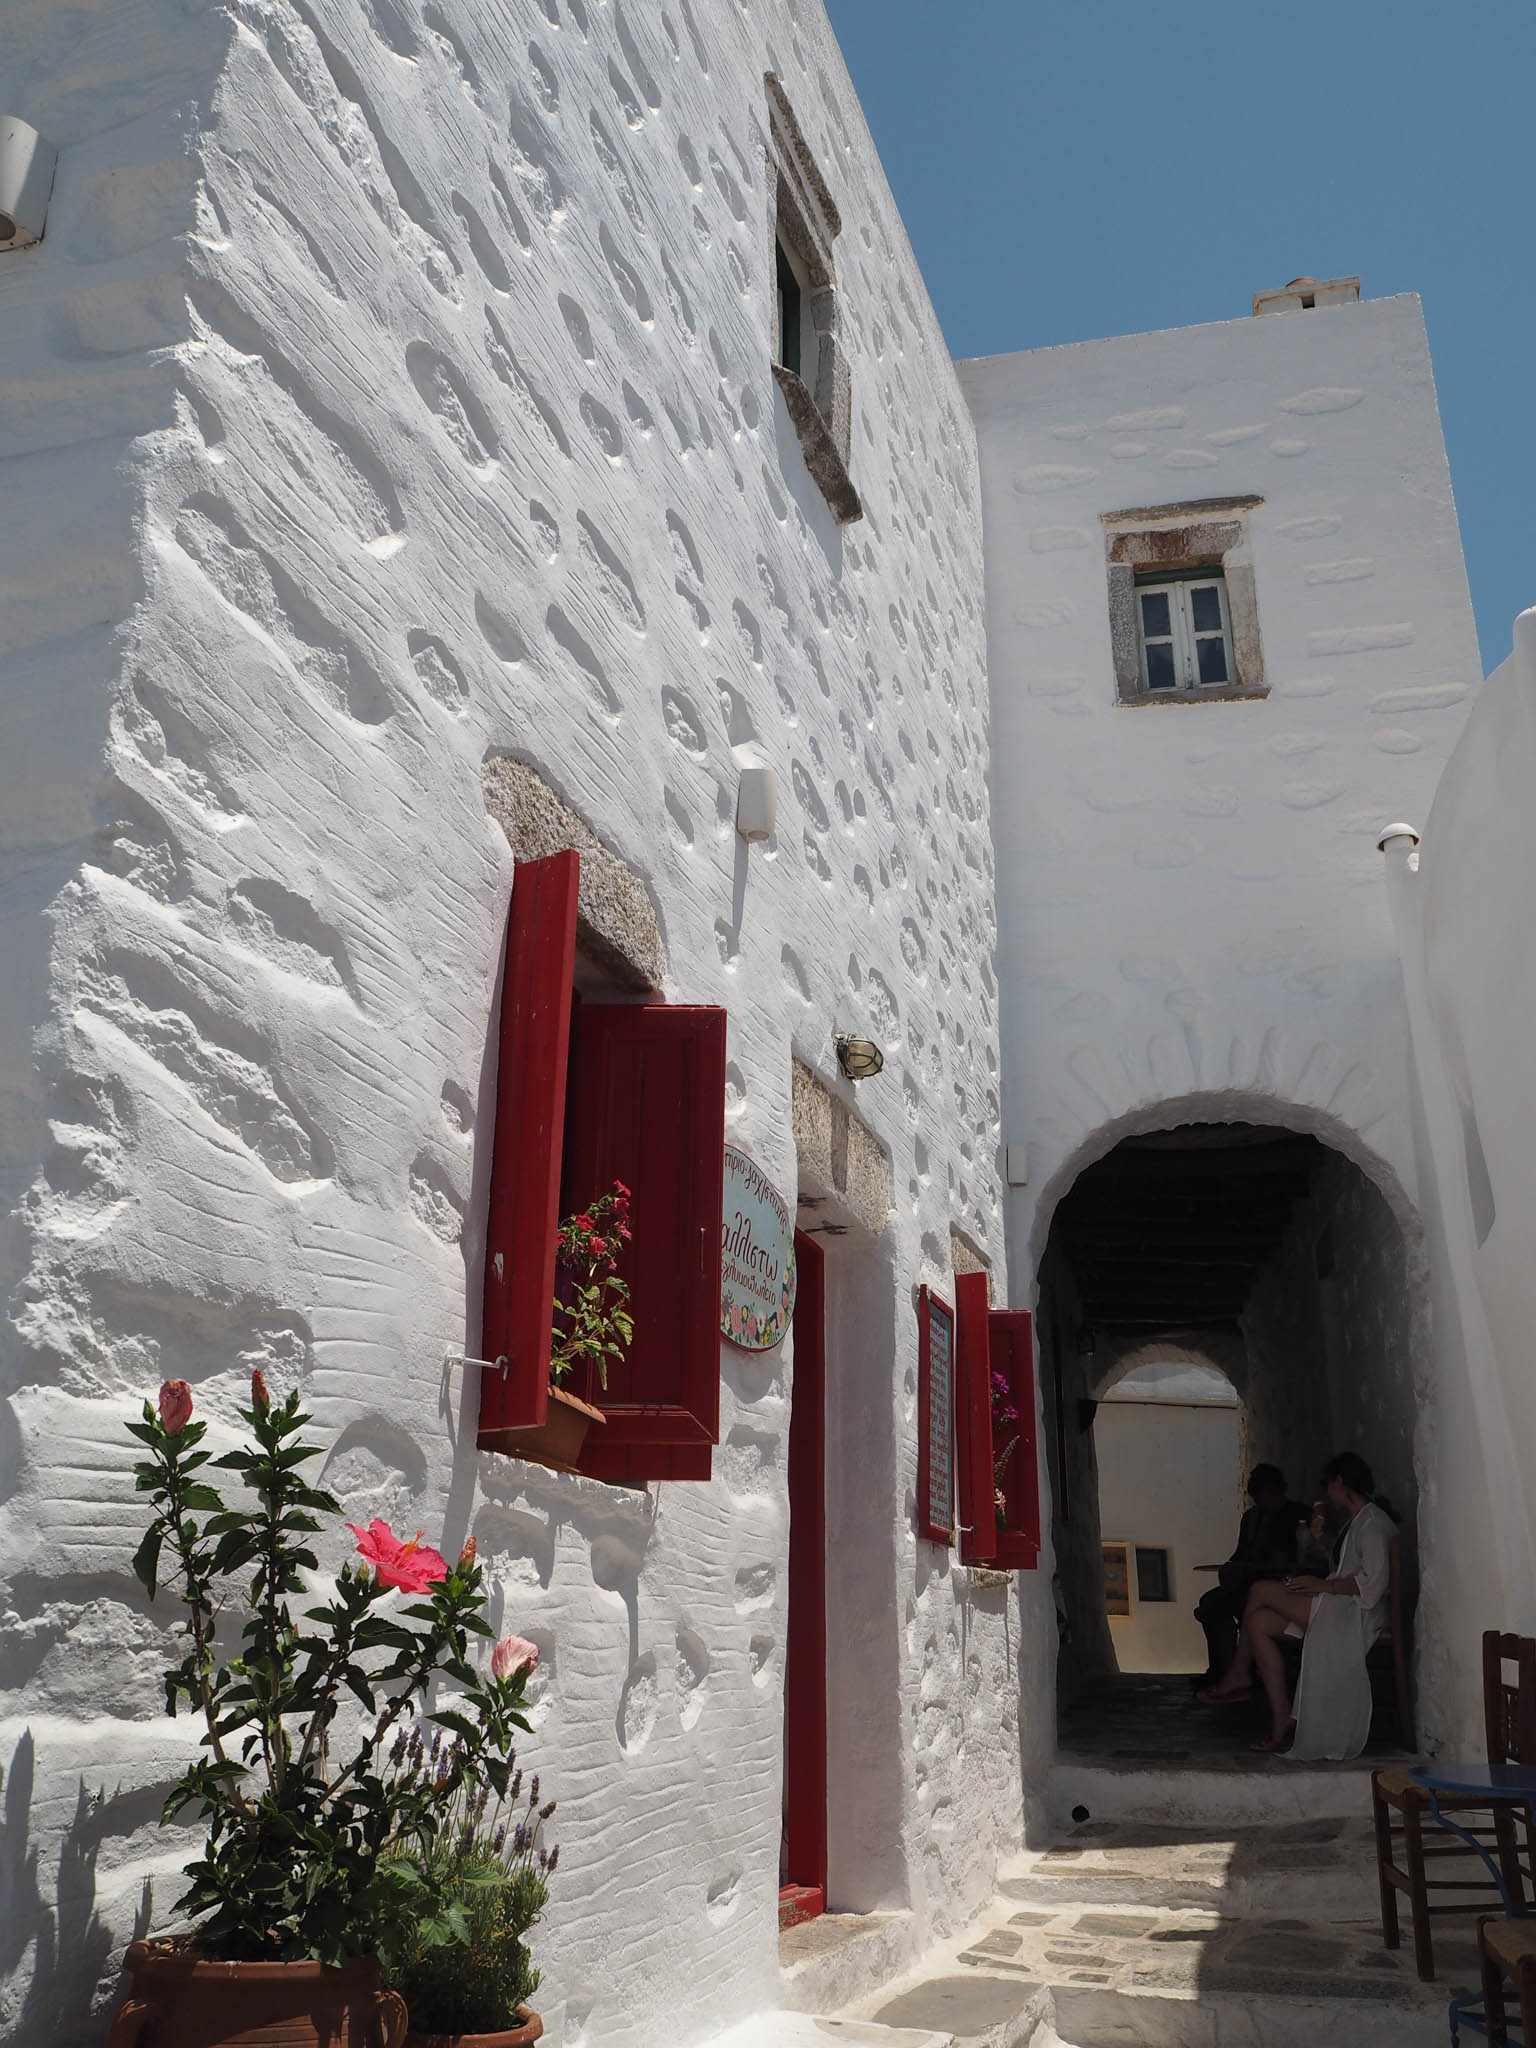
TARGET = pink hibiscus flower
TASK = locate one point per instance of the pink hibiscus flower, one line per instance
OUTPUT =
(411, 1566)
(175, 1406)
(513, 1654)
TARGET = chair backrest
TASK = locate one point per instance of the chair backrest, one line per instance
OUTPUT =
(1509, 1710)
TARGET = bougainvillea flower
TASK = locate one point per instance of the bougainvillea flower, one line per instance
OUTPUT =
(175, 1406)
(513, 1654)
(598, 1246)
(584, 1222)
(411, 1566)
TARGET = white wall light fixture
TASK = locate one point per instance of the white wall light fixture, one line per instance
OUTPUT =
(27, 165)
(757, 804)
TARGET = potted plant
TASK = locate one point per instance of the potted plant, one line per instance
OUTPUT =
(491, 1869)
(323, 1862)
(592, 1324)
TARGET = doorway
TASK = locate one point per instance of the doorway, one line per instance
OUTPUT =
(803, 1842)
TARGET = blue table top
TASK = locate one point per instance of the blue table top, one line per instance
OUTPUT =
(1512, 1781)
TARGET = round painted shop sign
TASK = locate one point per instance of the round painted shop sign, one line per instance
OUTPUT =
(757, 1257)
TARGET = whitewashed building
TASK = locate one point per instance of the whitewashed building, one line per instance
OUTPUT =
(443, 438)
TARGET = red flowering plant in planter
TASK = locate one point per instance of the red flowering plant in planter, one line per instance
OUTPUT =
(325, 1834)
(592, 1318)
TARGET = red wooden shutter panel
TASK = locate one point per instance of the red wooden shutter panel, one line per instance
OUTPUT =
(648, 1108)
(973, 1405)
(1013, 1355)
(523, 1213)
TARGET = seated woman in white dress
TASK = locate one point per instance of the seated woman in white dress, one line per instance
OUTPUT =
(1337, 1617)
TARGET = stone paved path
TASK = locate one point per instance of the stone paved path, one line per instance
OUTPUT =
(1133, 1936)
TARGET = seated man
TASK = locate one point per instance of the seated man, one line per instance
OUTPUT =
(1267, 1540)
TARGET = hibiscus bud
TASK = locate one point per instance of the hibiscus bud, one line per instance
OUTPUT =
(175, 1406)
(467, 1554)
(513, 1654)
(260, 1398)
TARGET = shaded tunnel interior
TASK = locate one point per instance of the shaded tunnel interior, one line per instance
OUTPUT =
(1252, 1248)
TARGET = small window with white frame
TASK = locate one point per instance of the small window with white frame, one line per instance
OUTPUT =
(1185, 630)
(1183, 603)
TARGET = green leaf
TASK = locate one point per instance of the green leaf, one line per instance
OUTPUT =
(146, 1558)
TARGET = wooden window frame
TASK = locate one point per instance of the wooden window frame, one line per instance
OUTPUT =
(1011, 1352)
(1183, 637)
(928, 1454)
(531, 1186)
(975, 1483)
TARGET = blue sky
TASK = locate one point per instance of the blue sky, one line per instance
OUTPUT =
(1073, 168)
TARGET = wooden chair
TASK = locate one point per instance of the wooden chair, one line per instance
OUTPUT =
(1507, 1950)
(1509, 1722)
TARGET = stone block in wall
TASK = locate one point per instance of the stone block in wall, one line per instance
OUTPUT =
(615, 919)
(840, 1159)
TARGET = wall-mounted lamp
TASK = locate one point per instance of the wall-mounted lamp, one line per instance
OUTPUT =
(859, 1058)
(1397, 832)
(26, 179)
(757, 803)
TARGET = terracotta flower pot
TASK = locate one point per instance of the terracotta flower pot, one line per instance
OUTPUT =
(531, 2029)
(180, 1999)
(556, 1441)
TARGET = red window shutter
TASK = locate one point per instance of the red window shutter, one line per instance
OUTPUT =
(647, 1107)
(935, 1418)
(523, 1213)
(973, 1404)
(1013, 1356)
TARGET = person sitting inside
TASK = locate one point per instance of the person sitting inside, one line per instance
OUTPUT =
(1337, 1618)
(1266, 1549)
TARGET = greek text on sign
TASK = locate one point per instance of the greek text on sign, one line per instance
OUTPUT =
(757, 1257)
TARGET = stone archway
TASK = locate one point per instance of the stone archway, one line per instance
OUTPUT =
(1274, 1244)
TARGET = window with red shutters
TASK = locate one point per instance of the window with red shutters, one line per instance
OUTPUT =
(973, 1405)
(935, 1418)
(523, 1213)
(647, 1107)
(1013, 1359)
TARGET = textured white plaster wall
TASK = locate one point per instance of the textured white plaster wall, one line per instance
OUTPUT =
(1465, 922)
(1190, 903)
(418, 409)
(1192, 917)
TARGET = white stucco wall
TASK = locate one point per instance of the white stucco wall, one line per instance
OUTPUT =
(1193, 919)
(392, 391)
(1464, 919)
(1190, 904)
(1168, 1478)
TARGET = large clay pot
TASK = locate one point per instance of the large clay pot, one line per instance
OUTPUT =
(556, 1441)
(531, 2029)
(180, 1999)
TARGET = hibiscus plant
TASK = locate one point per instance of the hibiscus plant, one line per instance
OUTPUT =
(325, 1810)
(592, 1319)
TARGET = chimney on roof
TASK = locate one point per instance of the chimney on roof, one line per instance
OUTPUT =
(1302, 294)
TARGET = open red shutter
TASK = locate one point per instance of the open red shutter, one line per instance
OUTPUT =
(523, 1214)
(935, 1418)
(1013, 1356)
(973, 1404)
(647, 1107)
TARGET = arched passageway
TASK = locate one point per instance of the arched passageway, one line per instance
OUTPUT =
(1257, 1250)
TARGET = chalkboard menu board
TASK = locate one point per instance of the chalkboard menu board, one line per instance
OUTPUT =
(936, 1418)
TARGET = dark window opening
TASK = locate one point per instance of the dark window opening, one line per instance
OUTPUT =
(789, 311)
(1152, 1579)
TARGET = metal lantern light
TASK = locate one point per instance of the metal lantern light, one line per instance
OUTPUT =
(859, 1058)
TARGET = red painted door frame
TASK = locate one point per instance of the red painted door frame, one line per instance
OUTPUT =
(804, 1892)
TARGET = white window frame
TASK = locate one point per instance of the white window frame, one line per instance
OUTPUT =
(1183, 637)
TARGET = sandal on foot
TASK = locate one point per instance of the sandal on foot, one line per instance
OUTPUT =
(1269, 1745)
